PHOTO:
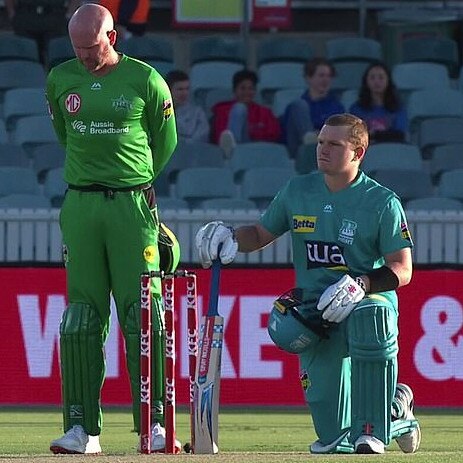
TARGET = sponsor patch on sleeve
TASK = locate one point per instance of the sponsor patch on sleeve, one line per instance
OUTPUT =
(405, 231)
(167, 109)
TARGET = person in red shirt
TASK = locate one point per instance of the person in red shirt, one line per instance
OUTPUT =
(242, 119)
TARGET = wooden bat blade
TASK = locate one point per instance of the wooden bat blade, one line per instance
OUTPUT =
(207, 386)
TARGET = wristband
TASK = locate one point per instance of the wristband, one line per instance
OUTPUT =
(382, 279)
(361, 283)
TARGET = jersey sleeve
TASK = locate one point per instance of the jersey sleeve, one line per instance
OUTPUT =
(54, 109)
(394, 233)
(275, 218)
(161, 121)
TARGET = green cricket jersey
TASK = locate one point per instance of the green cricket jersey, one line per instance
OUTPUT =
(349, 231)
(119, 129)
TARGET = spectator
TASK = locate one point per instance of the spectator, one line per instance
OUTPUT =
(131, 16)
(304, 117)
(380, 107)
(242, 119)
(192, 123)
(39, 20)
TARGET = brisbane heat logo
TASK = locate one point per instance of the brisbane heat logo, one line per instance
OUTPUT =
(72, 103)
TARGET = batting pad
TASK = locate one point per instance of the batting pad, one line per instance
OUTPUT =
(372, 335)
(131, 330)
(82, 367)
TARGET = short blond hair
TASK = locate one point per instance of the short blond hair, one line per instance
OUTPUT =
(358, 130)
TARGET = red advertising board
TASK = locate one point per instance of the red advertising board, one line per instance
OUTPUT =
(206, 14)
(254, 371)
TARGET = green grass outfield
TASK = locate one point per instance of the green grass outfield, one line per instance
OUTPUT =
(246, 435)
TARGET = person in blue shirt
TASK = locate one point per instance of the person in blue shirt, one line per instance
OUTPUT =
(380, 107)
(305, 116)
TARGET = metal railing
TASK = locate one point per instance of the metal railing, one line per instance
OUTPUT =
(33, 236)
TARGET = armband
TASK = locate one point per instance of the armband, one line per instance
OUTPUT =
(382, 279)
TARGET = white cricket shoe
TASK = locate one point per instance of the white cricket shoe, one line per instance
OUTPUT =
(227, 142)
(76, 440)
(158, 440)
(410, 442)
(368, 445)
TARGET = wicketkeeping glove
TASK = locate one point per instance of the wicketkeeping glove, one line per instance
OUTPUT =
(340, 299)
(208, 239)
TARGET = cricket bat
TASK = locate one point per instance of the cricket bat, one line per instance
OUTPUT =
(207, 377)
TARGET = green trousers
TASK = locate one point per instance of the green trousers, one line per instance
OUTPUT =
(108, 241)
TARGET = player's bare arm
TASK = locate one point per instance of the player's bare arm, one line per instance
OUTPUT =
(399, 264)
(253, 237)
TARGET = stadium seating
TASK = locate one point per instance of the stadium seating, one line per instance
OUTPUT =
(434, 203)
(147, 48)
(24, 201)
(348, 75)
(18, 180)
(451, 184)
(20, 102)
(55, 186)
(162, 185)
(16, 47)
(193, 154)
(3, 133)
(31, 131)
(211, 74)
(195, 184)
(166, 202)
(440, 131)
(409, 77)
(217, 48)
(258, 154)
(278, 75)
(216, 95)
(59, 50)
(446, 157)
(285, 49)
(261, 184)
(283, 97)
(349, 97)
(432, 103)
(45, 157)
(408, 184)
(20, 74)
(353, 49)
(228, 203)
(12, 155)
(163, 67)
(441, 50)
(401, 156)
(306, 159)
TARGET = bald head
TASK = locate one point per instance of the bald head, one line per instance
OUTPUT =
(91, 30)
(91, 20)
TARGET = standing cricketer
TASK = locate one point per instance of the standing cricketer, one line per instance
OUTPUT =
(113, 114)
(352, 250)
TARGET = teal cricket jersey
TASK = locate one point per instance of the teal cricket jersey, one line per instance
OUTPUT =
(349, 231)
(119, 129)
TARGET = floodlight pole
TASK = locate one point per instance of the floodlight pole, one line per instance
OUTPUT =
(245, 28)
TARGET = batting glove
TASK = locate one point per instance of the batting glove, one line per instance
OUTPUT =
(340, 299)
(210, 237)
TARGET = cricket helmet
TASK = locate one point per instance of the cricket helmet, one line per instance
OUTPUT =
(289, 330)
(169, 249)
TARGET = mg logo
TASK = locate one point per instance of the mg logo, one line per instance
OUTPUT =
(72, 103)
